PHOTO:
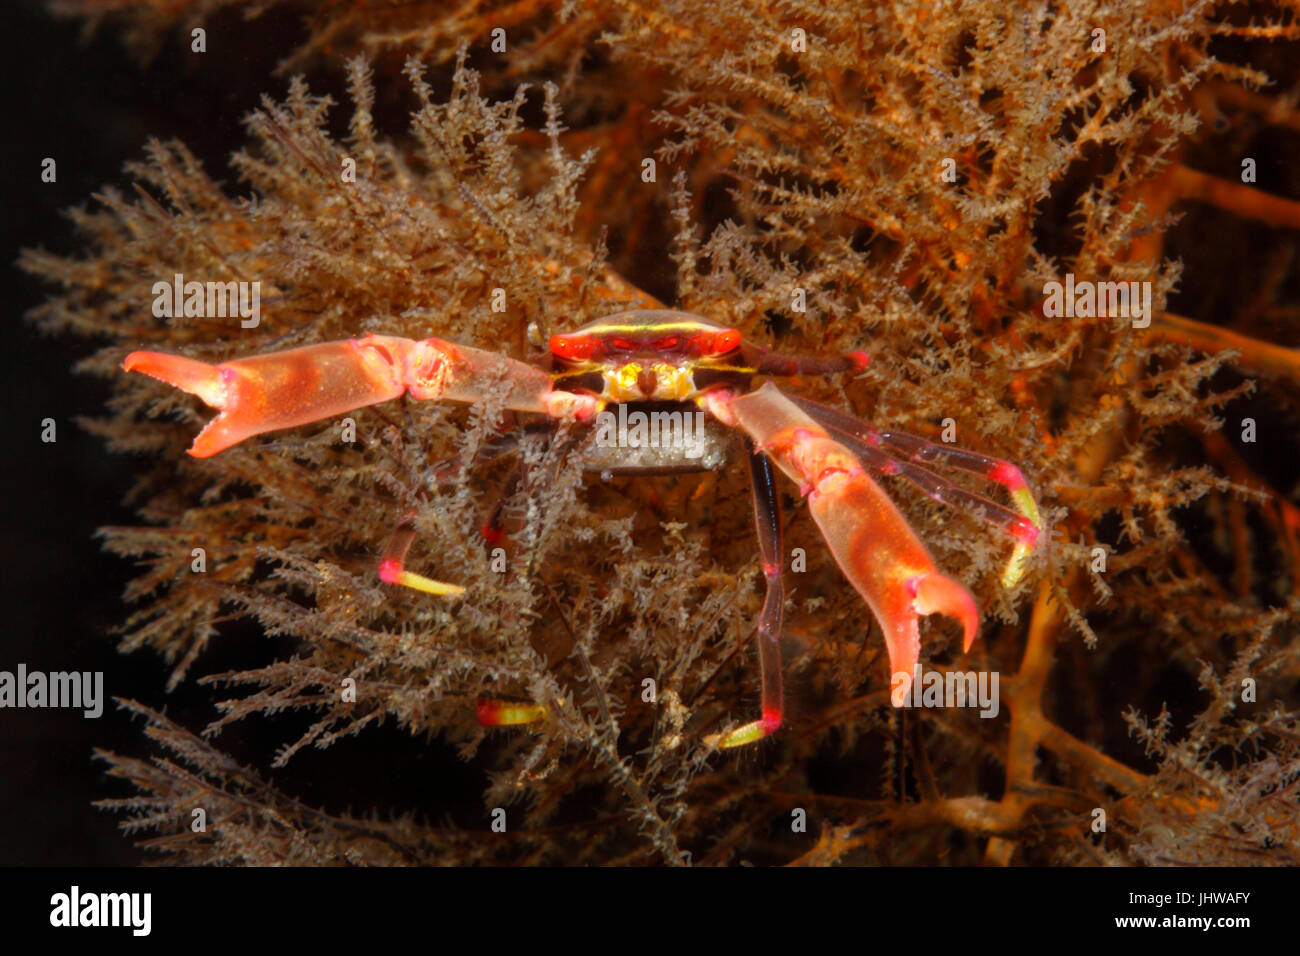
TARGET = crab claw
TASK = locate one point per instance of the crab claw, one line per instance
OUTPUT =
(282, 389)
(872, 542)
(935, 593)
(888, 565)
(939, 594)
(190, 375)
(263, 393)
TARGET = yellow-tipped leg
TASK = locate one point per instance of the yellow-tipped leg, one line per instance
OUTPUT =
(1026, 532)
(391, 571)
(748, 733)
(767, 519)
(392, 566)
(898, 453)
(506, 713)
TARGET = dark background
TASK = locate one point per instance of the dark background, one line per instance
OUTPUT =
(91, 106)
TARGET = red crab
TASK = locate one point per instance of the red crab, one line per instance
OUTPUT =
(656, 362)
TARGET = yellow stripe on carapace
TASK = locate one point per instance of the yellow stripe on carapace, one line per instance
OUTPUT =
(745, 369)
(640, 330)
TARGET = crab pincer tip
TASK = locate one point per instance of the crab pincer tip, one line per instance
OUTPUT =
(939, 594)
(190, 375)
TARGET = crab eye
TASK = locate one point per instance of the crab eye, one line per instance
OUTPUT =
(724, 342)
(572, 346)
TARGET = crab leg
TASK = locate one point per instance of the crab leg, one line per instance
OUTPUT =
(392, 565)
(767, 518)
(879, 448)
(870, 539)
(279, 390)
(490, 712)
(788, 366)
